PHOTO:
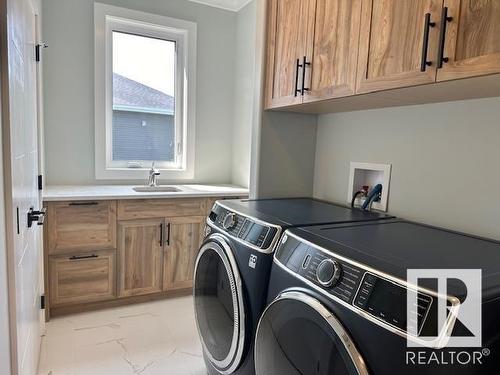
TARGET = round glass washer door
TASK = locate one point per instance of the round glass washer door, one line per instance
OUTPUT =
(297, 335)
(219, 306)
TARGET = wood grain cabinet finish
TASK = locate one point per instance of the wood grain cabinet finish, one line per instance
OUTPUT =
(334, 51)
(154, 208)
(183, 240)
(393, 39)
(471, 39)
(80, 226)
(140, 256)
(87, 277)
(290, 31)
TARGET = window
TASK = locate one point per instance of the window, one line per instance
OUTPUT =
(144, 102)
(144, 119)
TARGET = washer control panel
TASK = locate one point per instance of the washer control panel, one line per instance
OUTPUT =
(334, 276)
(241, 227)
(328, 272)
(363, 290)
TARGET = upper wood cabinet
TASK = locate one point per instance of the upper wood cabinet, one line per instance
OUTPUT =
(334, 52)
(290, 30)
(183, 240)
(83, 225)
(320, 52)
(398, 44)
(471, 38)
(140, 256)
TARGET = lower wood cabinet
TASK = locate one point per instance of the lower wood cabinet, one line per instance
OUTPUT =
(185, 235)
(82, 278)
(140, 256)
(154, 244)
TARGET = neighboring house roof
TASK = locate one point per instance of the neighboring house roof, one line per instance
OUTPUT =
(130, 95)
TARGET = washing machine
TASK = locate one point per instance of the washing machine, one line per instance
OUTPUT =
(233, 266)
(337, 302)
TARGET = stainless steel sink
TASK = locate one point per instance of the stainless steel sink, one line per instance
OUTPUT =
(157, 189)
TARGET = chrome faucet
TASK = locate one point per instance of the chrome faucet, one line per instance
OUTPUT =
(153, 175)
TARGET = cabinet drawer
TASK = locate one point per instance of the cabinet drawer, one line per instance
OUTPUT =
(82, 278)
(154, 208)
(77, 226)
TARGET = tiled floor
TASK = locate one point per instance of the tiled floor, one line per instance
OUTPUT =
(146, 339)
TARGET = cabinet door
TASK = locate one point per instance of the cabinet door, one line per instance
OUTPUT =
(335, 50)
(80, 278)
(290, 28)
(183, 240)
(472, 39)
(140, 256)
(393, 40)
(81, 226)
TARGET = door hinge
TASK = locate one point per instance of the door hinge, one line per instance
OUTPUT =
(40, 182)
(42, 302)
(38, 48)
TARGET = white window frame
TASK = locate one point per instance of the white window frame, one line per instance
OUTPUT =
(107, 19)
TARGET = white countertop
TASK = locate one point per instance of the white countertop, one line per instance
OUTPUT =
(104, 192)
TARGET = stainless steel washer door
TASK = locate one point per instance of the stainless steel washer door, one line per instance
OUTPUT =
(297, 335)
(219, 306)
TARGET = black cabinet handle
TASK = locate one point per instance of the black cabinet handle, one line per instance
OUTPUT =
(442, 37)
(161, 234)
(168, 234)
(84, 203)
(297, 67)
(425, 45)
(304, 65)
(84, 257)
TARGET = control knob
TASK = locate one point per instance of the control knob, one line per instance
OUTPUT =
(328, 272)
(230, 221)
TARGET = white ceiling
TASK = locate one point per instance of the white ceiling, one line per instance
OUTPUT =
(233, 5)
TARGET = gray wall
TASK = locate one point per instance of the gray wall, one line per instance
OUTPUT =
(69, 88)
(286, 160)
(445, 160)
(244, 82)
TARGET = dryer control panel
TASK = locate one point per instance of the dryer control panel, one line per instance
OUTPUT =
(333, 275)
(369, 293)
(243, 228)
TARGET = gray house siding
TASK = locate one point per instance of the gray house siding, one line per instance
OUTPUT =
(143, 136)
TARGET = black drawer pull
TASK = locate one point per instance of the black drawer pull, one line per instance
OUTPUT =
(83, 257)
(425, 45)
(84, 203)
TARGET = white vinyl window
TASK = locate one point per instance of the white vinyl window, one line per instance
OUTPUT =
(144, 69)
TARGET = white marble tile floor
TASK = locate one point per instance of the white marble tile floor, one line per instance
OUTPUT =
(145, 339)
